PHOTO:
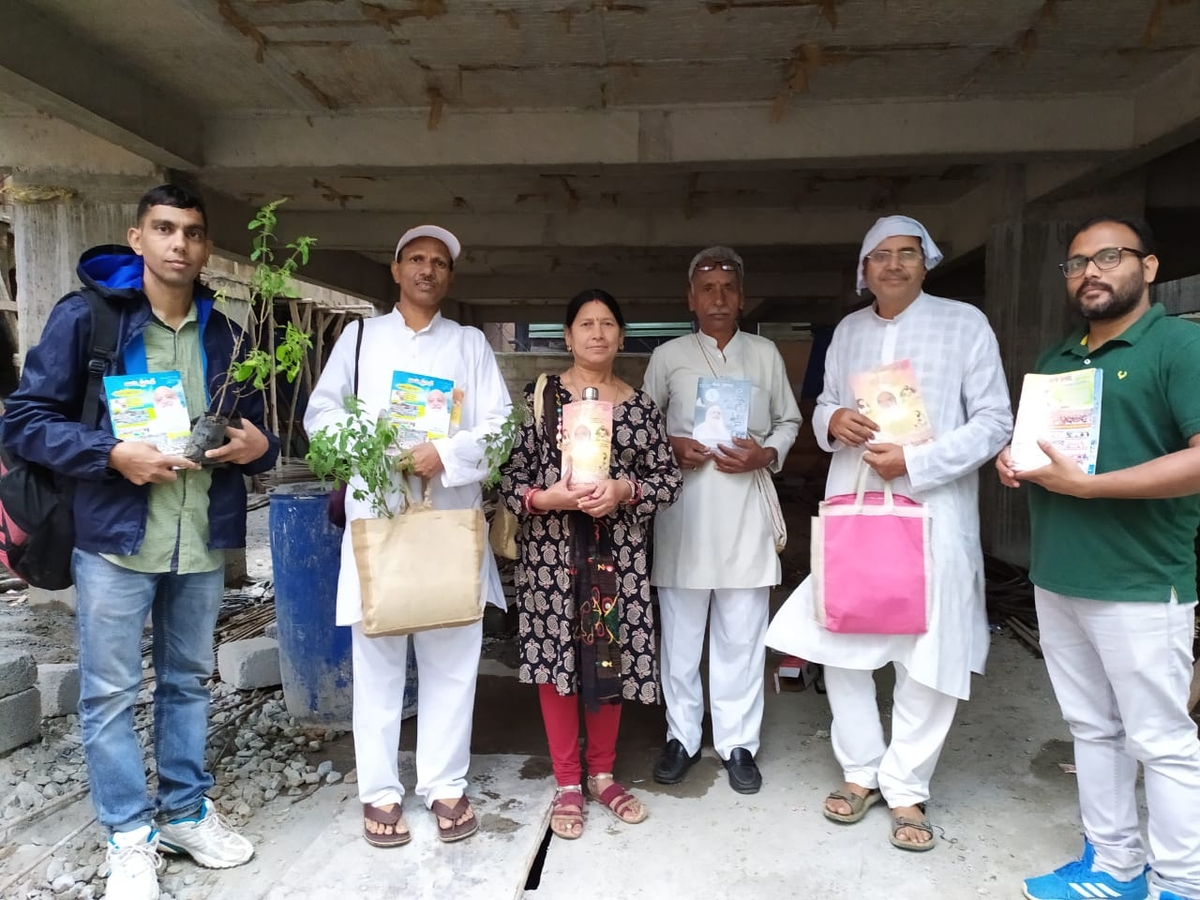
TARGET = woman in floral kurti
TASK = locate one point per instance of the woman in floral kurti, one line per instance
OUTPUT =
(586, 624)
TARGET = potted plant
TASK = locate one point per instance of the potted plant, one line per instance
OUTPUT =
(364, 447)
(252, 370)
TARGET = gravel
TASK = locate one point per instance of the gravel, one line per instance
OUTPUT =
(257, 753)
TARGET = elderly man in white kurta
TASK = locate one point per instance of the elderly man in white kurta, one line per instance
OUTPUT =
(415, 338)
(714, 549)
(956, 360)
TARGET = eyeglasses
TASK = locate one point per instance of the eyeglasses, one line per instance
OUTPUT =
(723, 266)
(1108, 258)
(907, 256)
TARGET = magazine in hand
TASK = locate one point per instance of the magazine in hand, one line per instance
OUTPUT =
(150, 408)
(891, 398)
(587, 441)
(722, 411)
(421, 408)
(1064, 410)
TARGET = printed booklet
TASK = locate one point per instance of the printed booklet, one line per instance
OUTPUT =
(421, 408)
(149, 408)
(1064, 410)
(890, 397)
(722, 411)
(587, 441)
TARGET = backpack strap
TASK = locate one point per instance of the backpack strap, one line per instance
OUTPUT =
(102, 352)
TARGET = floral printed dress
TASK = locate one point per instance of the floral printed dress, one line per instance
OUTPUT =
(551, 625)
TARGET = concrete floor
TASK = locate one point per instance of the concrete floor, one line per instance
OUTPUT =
(1003, 804)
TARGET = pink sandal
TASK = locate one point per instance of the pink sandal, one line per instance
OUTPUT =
(618, 801)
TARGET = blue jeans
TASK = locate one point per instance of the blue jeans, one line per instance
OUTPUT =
(112, 607)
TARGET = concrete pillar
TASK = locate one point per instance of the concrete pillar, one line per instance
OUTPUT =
(56, 217)
(1025, 301)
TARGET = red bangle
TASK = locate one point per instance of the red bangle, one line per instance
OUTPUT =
(528, 501)
(635, 492)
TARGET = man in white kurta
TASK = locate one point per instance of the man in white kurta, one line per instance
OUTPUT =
(714, 549)
(956, 360)
(415, 338)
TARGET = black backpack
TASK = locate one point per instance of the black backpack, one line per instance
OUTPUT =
(37, 523)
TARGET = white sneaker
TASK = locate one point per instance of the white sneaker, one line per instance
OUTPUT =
(208, 840)
(133, 863)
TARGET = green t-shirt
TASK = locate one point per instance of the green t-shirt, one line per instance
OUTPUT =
(176, 538)
(1107, 549)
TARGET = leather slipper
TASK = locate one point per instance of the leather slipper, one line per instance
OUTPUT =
(858, 803)
(392, 817)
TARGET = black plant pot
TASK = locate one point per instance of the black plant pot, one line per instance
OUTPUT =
(208, 433)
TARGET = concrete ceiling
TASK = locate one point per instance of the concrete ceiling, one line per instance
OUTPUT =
(597, 142)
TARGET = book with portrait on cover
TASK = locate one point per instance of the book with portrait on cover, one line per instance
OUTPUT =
(1064, 410)
(150, 408)
(722, 411)
(422, 408)
(586, 441)
(891, 398)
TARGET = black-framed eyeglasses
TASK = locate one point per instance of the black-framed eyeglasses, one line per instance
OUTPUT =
(723, 266)
(1108, 258)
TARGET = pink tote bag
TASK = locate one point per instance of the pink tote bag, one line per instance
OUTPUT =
(871, 563)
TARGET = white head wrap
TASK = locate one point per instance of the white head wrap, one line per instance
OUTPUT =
(891, 226)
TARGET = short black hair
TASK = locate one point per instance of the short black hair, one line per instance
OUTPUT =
(171, 195)
(588, 296)
(1138, 226)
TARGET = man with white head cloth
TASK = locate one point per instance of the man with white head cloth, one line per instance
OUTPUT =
(956, 362)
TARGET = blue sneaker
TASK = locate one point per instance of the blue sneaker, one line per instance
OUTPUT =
(1171, 895)
(1078, 879)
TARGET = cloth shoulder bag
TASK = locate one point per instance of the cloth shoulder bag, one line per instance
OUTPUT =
(503, 532)
(419, 570)
(872, 564)
(770, 499)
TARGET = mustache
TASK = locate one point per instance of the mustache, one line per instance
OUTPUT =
(1092, 285)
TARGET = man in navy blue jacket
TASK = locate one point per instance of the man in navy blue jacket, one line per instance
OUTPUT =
(150, 532)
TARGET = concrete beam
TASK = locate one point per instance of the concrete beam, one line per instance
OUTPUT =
(835, 133)
(341, 270)
(40, 141)
(61, 74)
(479, 290)
(372, 232)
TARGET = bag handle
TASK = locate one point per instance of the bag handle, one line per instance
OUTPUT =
(889, 501)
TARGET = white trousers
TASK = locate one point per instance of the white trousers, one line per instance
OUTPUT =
(1121, 673)
(448, 664)
(921, 719)
(737, 653)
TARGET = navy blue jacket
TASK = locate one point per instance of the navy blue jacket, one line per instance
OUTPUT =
(41, 418)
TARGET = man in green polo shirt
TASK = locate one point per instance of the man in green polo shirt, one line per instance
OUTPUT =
(1114, 570)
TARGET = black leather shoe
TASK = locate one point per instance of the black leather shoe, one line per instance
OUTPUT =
(744, 776)
(674, 763)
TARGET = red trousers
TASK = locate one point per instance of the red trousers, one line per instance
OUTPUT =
(561, 715)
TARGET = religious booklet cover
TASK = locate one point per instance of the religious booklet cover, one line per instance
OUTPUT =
(722, 410)
(422, 408)
(1064, 410)
(150, 408)
(587, 441)
(891, 398)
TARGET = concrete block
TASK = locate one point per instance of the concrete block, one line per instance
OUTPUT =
(59, 686)
(18, 672)
(20, 719)
(249, 664)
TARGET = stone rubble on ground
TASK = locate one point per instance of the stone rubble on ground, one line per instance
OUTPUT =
(267, 755)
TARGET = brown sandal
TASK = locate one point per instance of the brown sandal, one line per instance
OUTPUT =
(455, 831)
(617, 800)
(394, 818)
(568, 810)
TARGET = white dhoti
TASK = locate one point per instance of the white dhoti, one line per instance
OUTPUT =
(736, 657)
(448, 662)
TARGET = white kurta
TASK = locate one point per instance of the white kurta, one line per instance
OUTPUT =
(443, 349)
(957, 364)
(718, 533)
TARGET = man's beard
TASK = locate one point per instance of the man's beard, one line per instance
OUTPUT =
(1121, 299)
